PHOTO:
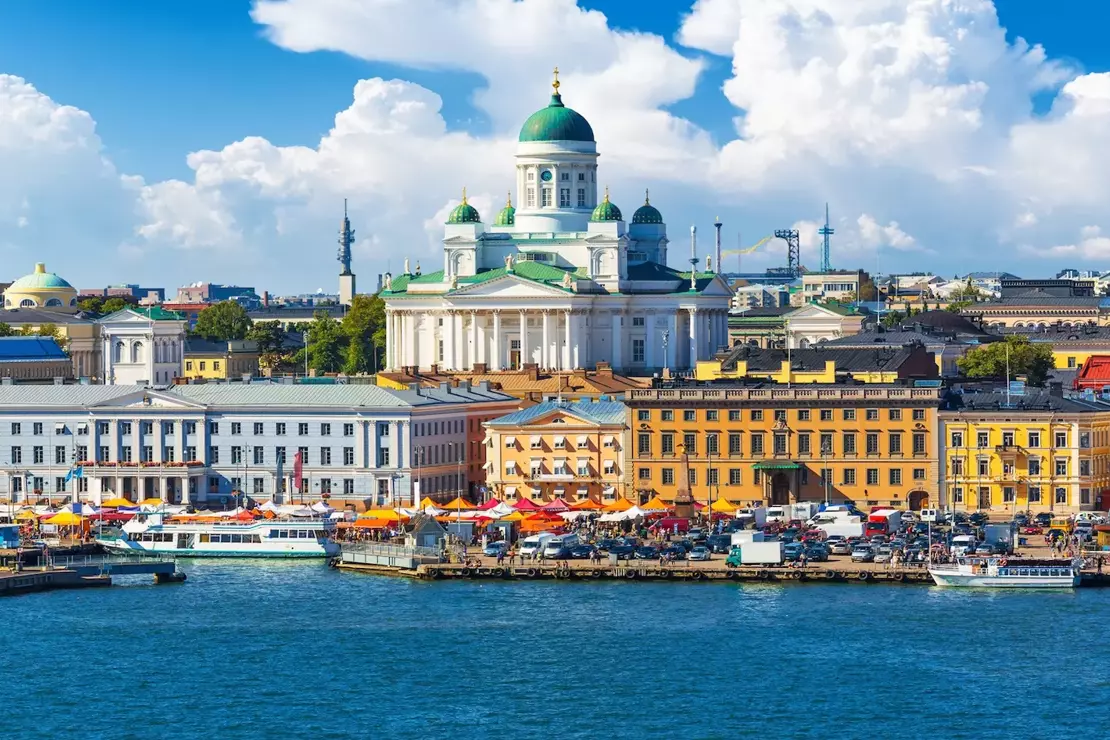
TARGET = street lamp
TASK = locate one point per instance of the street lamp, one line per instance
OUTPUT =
(826, 450)
(666, 339)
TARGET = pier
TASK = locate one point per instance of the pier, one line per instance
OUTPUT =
(86, 571)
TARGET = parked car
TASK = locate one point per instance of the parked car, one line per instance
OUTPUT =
(494, 549)
(979, 518)
(606, 543)
(701, 552)
(719, 543)
(792, 551)
(883, 554)
(647, 552)
(696, 535)
(843, 547)
(863, 554)
(817, 553)
(563, 553)
(623, 551)
(674, 552)
(582, 552)
(1043, 519)
(1030, 529)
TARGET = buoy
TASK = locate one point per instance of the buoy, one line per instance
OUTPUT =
(796, 575)
(899, 577)
(831, 574)
(596, 574)
(732, 575)
(484, 571)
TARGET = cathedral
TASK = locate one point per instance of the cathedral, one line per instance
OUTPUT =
(559, 279)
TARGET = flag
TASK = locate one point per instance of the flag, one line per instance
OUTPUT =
(75, 473)
(297, 468)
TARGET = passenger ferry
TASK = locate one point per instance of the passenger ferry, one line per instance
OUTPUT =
(148, 534)
(1000, 572)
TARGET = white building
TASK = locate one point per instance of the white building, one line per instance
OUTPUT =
(142, 346)
(561, 280)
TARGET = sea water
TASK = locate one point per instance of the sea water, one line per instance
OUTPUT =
(294, 650)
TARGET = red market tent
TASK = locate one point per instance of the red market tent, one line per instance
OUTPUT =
(525, 505)
(556, 506)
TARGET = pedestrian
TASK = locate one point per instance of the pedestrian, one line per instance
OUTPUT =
(1100, 565)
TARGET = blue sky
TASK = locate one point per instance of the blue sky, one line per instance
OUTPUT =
(164, 79)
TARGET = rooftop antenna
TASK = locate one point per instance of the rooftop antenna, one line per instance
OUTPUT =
(346, 239)
(826, 231)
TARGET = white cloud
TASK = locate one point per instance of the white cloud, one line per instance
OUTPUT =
(914, 117)
(1092, 245)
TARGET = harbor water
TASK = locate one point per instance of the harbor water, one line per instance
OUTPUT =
(249, 650)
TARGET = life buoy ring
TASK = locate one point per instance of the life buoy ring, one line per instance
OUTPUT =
(630, 575)
(532, 572)
(764, 575)
(864, 575)
(1002, 563)
(499, 572)
(665, 574)
(433, 572)
(464, 572)
(696, 576)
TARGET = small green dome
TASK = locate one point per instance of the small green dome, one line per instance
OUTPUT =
(507, 216)
(606, 211)
(464, 213)
(40, 279)
(647, 213)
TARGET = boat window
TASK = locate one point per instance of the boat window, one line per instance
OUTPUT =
(273, 533)
(302, 534)
(203, 538)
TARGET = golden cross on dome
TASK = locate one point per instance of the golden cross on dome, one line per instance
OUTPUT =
(464, 195)
(555, 84)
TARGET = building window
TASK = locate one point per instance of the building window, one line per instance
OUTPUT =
(545, 197)
(1084, 440)
(643, 444)
(919, 414)
(734, 415)
(643, 415)
(325, 485)
(692, 477)
(1062, 496)
(957, 439)
(236, 455)
(983, 439)
(325, 430)
(757, 444)
(895, 476)
(348, 455)
(1007, 494)
(59, 455)
(1034, 494)
(734, 444)
(894, 443)
(849, 414)
(213, 455)
(757, 414)
(102, 453)
(1084, 467)
(302, 429)
(1034, 439)
(712, 446)
(530, 195)
(638, 350)
(958, 495)
(803, 444)
(1034, 466)
(871, 415)
(1084, 495)
(279, 455)
(803, 415)
(37, 455)
(689, 415)
(82, 453)
(279, 429)
(236, 428)
(325, 456)
(849, 478)
(872, 443)
(564, 197)
(581, 196)
(782, 445)
(667, 444)
(918, 443)
(780, 415)
(259, 455)
(17, 456)
(826, 415)
(872, 476)
(668, 476)
(690, 444)
(849, 441)
(1061, 466)
(984, 467)
(666, 415)
(734, 477)
(895, 414)
(919, 473)
(1061, 439)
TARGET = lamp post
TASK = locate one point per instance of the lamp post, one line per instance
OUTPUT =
(825, 452)
(666, 334)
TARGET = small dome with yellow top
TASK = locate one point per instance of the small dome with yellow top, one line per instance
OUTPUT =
(41, 289)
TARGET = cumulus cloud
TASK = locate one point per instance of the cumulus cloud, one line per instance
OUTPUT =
(914, 119)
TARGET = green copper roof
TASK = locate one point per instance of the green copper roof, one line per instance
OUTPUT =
(507, 216)
(556, 122)
(40, 279)
(464, 213)
(154, 313)
(647, 213)
(606, 211)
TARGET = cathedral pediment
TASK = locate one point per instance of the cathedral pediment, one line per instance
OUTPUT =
(508, 286)
(148, 399)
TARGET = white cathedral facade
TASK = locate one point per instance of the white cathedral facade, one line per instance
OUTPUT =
(561, 280)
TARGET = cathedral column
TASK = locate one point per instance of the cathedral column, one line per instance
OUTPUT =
(615, 359)
(473, 339)
(525, 356)
(545, 349)
(693, 336)
(447, 335)
(649, 340)
(566, 342)
(495, 363)
(460, 341)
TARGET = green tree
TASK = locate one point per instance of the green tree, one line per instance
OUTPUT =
(91, 305)
(1033, 360)
(957, 306)
(6, 330)
(117, 303)
(269, 335)
(223, 321)
(325, 344)
(363, 321)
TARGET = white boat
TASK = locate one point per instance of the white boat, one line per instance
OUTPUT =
(1000, 572)
(149, 534)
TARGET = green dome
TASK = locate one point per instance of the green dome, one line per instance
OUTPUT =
(40, 279)
(507, 216)
(647, 213)
(464, 213)
(556, 122)
(606, 211)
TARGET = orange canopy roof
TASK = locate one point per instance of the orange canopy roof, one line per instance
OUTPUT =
(621, 504)
(587, 505)
(458, 504)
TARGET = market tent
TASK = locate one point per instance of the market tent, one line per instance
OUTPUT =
(117, 502)
(526, 504)
(656, 504)
(458, 504)
(81, 509)
(491, 504)
(720, 506)
(556, 506)
(27, 515)
(516, 516)
(321, 508)
(427, 502)
(537, 524)
(65, 519)
(269, 506)
(587, 505)
(244, 516)
(151, 502)
(621, 504)
(366, 523)
(388, 515)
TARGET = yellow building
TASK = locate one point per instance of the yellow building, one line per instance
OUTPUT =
(41, 289)
(79, 336)
(214, 360)
(868, 444)
(555, 450)
(821, 365)
(1036, 452)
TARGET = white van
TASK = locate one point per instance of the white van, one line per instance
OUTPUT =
(962, 542)
(931, 515)
(532, 545)
(552, 546)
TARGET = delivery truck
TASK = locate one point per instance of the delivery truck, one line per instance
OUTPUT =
(755, 553)
(883, 521)
(745, 536)
(755, 516)
(849, 526)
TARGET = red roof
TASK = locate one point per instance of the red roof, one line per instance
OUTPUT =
(1095, 373)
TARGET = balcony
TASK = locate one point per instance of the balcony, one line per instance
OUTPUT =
(1009, 450)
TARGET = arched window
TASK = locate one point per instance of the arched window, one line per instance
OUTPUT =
(137, 352)
(72, 302)
(118, 354)
(53, 302)
(26, 303)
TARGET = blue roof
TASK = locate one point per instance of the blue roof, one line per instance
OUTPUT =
(30, 348)
(597, 412)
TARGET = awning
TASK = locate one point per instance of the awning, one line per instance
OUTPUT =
(610, 440)
(776, 465)
(609, 490)
(582, 492)
(60, 427)
(535, 439)
(560, 491)
(583, 440)
(510, 441)
(488, 465)
(535, 491)
(82, 428)
(560, 441)
(510, 490)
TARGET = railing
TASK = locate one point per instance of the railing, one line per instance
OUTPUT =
(387, 550)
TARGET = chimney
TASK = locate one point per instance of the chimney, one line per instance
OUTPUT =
(265, 299)
(479, 368)
(532, 370)
(445, 386)
(1056, 388)
(604, 369)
